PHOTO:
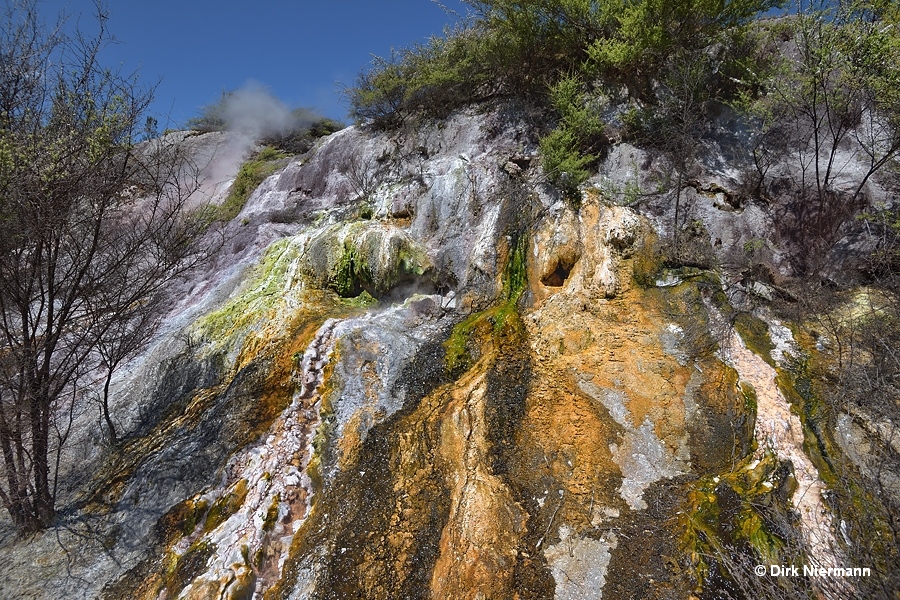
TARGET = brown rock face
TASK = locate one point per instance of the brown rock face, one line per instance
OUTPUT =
(551, 462)
(512, 418)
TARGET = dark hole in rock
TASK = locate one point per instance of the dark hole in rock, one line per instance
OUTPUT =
(559, 275)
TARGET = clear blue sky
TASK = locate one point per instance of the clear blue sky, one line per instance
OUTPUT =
(301, 50)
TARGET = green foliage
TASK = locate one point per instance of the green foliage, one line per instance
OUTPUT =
(883, 266)
(672, 56)
(565, 149)
(564, 164)
(380, 92)
(836, 82)
(212, 116)
(92, 224)
(525, 47)
(303, 133)
(642, 36)
(248, 178)
(434, 77)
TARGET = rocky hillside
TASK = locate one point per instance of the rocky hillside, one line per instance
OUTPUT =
(416, 370)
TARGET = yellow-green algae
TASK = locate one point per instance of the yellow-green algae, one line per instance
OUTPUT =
(181, 569)
(272, 513)
(755, 333)
(364, 300)
(647, 262)
(260, 293)
(515, 279)
(361, 264)
(182, 519)
(754, 481)
(226, 505)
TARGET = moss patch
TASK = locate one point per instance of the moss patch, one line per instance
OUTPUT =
(182, 519)
(227, 505)
(364, 300)
(734, 511)
(755, 334)
(271, 517)
(183, 569)
(349, 274)
(647, 263)
(462, 345)
(374, 260)
(515, 274)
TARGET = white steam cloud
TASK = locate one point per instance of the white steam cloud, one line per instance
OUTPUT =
(254, 111)
(251, 115)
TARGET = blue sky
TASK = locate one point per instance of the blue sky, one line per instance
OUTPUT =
(300, 50)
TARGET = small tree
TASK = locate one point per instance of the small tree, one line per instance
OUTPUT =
(567, 149)
(682, 115)
(92, 228)
(837, 87)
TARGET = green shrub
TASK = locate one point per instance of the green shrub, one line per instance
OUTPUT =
(642, 36)
(566, 149)
(434, 77)
(379, 92)
(522, 47)
(564, 164)
(212, 116)
(302, 135)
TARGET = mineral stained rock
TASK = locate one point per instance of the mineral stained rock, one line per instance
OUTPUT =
(412, 372)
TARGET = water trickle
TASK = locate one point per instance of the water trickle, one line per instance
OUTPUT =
(252, 543)
(778, 430)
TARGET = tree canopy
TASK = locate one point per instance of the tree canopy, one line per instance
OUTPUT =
(93, 225)
(524, 46)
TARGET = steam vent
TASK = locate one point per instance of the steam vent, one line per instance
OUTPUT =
(420, 362)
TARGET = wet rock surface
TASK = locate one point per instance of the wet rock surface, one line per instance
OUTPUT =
(414, 372)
